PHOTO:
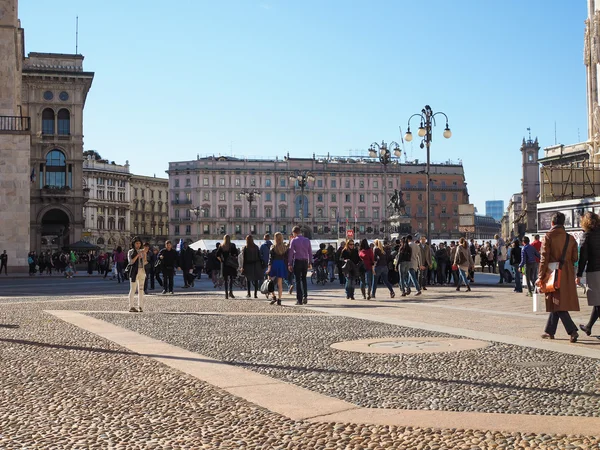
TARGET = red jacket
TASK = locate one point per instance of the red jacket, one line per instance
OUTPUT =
(538, 246)
(367, 258)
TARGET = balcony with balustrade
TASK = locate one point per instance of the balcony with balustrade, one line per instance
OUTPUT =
(15, 125)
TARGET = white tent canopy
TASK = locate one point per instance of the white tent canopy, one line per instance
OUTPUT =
(210, 244)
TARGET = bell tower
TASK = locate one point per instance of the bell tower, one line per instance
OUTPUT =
(530, 184)
(15, 172)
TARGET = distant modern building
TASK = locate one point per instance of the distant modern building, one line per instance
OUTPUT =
(495, 209)
(346, 192)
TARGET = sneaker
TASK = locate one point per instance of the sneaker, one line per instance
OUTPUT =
(171, 292)
(132, 309)
(298, 303)
(140, 309)
(164, 292)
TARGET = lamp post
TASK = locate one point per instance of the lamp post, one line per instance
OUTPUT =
(197, 211)
(251, 195)
(302, 177)
(427, 117)
(384, 153)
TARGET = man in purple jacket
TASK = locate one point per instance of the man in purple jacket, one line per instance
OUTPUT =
(299, 261)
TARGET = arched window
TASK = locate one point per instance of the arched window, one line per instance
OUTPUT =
(100, 241)
(64, 122)
(47, 121)
(55, 169)
(111, 223)
(121, 224)
(100, 223)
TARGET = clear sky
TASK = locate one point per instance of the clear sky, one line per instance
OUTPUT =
(261, 78)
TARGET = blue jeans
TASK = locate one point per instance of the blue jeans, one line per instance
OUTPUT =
(412, 277)
(463, 277)
(369, 281)
(381, 271)
(350, 285)
(331, 269)
(518, 279)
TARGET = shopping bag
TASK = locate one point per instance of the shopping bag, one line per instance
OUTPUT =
(539, 302)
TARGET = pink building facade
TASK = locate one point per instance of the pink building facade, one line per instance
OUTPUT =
(346, 192)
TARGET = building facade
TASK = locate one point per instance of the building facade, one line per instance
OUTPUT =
(107, 212)
(486, 227)
(15, 178)
(55, 89)
(514, 213)
(149, 208)
(495, 209)
(346, 192)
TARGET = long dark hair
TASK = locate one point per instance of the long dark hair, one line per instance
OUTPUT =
(364, 245)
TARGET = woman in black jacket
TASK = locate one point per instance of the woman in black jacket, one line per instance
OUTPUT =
(515, 261)
(351, 261)
(227, 254)
(589, 260)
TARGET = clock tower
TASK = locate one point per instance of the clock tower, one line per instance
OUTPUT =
(530, 185)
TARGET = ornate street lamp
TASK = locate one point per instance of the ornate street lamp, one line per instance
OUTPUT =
(427, 117)
(302, 177)
(383, 152)
(197, 211)
(252, 196)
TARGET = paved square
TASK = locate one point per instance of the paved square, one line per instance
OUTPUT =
(197, 371)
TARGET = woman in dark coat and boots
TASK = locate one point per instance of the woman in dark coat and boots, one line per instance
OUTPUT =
(589, 260)
(252, 265)
(227, 255)
(565, 299)
(350, 254)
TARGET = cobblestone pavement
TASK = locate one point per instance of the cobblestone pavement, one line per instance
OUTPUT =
(497, 379)
(63, 387)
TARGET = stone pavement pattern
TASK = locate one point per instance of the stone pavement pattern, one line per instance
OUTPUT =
(63, 387)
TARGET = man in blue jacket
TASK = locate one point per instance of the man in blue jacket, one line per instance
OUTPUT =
(264, 250)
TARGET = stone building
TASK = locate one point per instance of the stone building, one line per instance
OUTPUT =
(530, 184)
(346, 192)
(107, 212)
(149, 208)
(486, 227)
(55, 89)
(514, 212)
(15, 173)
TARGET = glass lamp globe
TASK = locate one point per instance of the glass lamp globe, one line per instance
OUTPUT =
(408, 136)
(421, 132)
(397, 153)
(372, 153)
(447, 133)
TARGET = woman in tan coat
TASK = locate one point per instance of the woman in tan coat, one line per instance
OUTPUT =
(464, 261)
(559, 303)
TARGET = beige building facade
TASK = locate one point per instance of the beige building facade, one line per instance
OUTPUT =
(15, 178)
(107, 212)
(149, 208)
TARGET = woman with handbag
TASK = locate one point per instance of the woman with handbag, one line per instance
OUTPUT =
(463, 262)
(277, 268)
(227, 254)
(589, 260)
(558, 256)
(252, 265)
(137, 259)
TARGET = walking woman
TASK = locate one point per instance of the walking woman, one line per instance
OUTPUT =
(368, 261)
(91, 263)
(382, 257)
(589, 260)
(137, 274)
(463, 260)
(252, 265)
(561, 249)
(277, 269)
(227, 254)
(119, 261)
(351, 259)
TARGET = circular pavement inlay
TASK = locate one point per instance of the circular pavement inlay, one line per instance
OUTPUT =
(409, 345)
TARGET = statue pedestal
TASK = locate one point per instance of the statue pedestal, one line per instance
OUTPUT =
(401, 224)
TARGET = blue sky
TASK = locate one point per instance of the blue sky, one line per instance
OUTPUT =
(263, 78)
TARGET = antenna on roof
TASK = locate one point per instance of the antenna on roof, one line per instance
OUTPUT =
(76, 35)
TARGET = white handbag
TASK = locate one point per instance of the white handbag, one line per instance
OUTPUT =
(539, 302)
